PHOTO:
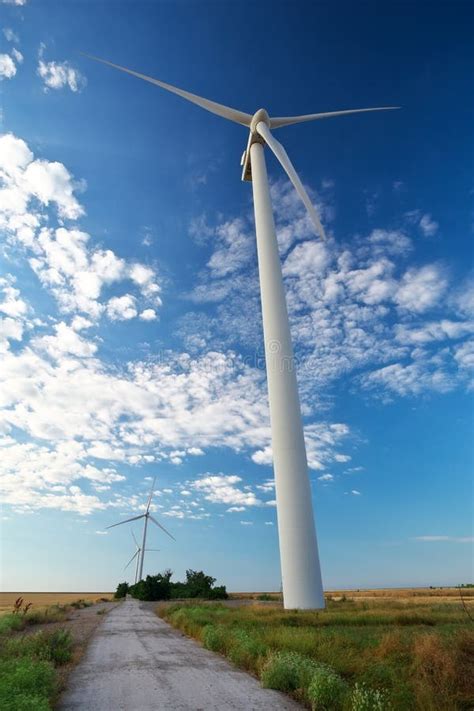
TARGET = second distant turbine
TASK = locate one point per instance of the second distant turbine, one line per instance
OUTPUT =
(147, 515)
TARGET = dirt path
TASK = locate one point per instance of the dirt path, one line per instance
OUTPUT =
(137, 661)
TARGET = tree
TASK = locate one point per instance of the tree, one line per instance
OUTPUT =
(122, 590)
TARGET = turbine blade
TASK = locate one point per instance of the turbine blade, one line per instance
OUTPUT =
(155, 550)
(131, 559)
(136, 542)
(152, 491)
(288, 120)
(160, 526)
(135, 518)
(212, 106)
(282, 156)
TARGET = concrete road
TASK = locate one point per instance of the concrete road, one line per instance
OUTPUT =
(137, 662)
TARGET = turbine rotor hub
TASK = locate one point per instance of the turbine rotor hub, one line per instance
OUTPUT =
(260, 115)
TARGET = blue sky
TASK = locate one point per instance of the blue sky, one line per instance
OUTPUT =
(130, 328)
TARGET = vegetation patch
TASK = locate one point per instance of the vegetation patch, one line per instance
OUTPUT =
(28, 680)
(160, 587)
(353, 656)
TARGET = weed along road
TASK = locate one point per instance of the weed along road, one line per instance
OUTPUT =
(137, 662)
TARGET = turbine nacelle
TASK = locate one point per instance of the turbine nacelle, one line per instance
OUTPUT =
(259, 124)
(260, 115)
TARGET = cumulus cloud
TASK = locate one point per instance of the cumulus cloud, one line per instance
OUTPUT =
(33, 192)
(326, 477)
(428, 226)
(222, 489)
(59, 75)
(7, 67)
(121, 308)
(420, 289)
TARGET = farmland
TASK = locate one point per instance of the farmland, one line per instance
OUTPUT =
(415, 650)
(47, 599)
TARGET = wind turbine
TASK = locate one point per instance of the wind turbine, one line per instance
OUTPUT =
(301, 572)
(137, 556)
(147, 515)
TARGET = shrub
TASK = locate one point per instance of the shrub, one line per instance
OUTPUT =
(327, 690)
(11, 622)
(26, 684)
(60, 647)
(364, 698)
(55, 647)
(214, 638)
(245, 649)
(122, 590)
(287, 671)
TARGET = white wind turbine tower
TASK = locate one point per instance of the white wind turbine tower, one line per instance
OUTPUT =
(147, 515)
(137, 556)
(301, 573)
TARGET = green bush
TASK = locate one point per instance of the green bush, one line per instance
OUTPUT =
(55, 647)
(26, 684)
(287, 671)
(122, 590)
(363, 698)
(244, 649)
(11, 622)
(25, 702)
(60, 647)
(214, 638)
(327, 690)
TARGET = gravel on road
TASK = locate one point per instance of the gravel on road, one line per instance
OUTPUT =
(137, 662)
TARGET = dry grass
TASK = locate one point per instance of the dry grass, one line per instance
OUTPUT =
(46, 599)
(422, 595)
(420, 657)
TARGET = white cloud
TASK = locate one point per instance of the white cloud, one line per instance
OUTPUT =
(448, 539)
(326, 477)
(393, 242)
(235, 250)
(66, 342)
(10, 35)
(7, 67)
(221, 489)
(122, 308)
(246, 523)
(63, 258)
(428, 226)
(14, 2)
(354, 492)
(432, 331)
(148, 315)
(58, 75)
(420, 289)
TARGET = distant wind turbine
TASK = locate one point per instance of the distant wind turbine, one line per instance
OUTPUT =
(301, 572)
(147, 515)
(137, 556)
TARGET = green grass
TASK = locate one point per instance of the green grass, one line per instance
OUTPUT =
(10, 622)
(28, 679)
(353, 656)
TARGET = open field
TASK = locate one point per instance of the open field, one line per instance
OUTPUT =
(416, 655)
(45, 599)
(421, 595)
